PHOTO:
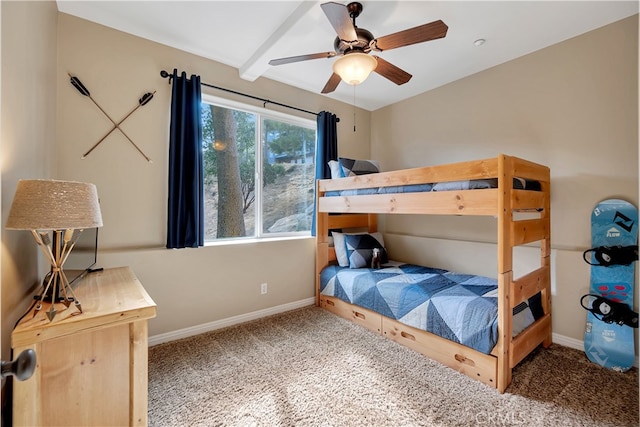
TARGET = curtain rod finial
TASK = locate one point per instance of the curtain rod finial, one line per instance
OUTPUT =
(166, 75)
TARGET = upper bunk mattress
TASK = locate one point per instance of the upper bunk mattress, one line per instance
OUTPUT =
(474, 184)
(459, 307)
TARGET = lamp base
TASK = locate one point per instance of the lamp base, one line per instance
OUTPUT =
(59, 298)
(47, 293)
(55, 282)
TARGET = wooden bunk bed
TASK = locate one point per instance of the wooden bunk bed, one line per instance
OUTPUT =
(503, 202)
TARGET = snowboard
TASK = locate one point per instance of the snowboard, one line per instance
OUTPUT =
(614, 223)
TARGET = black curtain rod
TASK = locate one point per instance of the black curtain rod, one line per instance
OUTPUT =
(166, 75)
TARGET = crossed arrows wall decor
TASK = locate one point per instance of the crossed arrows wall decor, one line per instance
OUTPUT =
(75, 81)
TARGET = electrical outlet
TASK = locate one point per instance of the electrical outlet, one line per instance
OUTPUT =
(263, 288)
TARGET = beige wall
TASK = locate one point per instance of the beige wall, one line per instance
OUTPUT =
(27, 145)
(572, 106)
(190, 286)
(28, 148)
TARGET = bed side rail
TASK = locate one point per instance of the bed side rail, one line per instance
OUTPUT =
(476, 169)
(463, 202)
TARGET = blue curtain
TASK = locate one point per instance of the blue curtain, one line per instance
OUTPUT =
(326, 149)
(185, 219)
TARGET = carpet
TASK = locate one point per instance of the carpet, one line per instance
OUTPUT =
(309, 367)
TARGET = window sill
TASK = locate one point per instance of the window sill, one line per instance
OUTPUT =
(254, 240)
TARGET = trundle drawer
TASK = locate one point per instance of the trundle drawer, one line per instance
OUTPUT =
(367, 318)
(457, 356)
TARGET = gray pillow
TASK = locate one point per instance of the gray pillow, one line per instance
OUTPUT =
(341, 248)
(360, 250)
(352, 167)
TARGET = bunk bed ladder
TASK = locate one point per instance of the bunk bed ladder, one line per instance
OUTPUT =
(511, 292)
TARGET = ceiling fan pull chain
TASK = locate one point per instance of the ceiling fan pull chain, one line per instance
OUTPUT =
(354, 108)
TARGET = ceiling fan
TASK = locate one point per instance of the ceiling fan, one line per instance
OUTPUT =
(353, 45)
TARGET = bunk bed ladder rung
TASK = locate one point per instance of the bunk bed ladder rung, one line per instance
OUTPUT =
(530, 284)
(524, 200)
(529, 339)
(529, 230)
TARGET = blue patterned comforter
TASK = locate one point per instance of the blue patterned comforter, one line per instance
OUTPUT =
(459, 307)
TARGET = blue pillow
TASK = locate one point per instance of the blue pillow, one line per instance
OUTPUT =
(360, 250)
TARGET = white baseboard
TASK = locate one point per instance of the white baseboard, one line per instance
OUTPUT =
(235, 320)
(567, 342)
(575, 344)
(230, 321)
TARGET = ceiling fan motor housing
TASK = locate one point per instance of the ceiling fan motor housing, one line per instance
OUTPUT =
(361, 45)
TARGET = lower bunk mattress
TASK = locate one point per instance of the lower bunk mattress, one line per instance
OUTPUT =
(459, 307)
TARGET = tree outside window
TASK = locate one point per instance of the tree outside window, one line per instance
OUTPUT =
(244, 146)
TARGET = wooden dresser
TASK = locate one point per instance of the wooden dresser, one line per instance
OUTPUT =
(92, 367)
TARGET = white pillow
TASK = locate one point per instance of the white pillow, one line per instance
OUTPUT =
(341, 247)
(335, 169)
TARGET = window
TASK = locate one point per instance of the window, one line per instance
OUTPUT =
(245, 146)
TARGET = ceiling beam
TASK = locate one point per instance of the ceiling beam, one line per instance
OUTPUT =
(258, 63)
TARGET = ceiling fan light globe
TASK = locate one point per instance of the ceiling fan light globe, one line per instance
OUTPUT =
(354, 68)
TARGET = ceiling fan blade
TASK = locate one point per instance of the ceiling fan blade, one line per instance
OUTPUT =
(391, 72)
(299, 58)
(422, 33)
(332, 84)
(339, 18)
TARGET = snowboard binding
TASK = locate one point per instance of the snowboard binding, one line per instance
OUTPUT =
(610, 311)
(611, 255)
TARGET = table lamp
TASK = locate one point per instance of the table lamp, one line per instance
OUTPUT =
(62, 209)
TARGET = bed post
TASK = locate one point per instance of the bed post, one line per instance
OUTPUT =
(322, 241)
(505, 273)
(546, 258)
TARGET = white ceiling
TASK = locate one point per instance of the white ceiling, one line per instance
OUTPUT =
(247, 34)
